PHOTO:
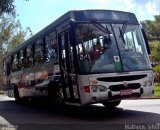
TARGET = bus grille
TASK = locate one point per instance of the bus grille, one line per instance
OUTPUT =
(122, 87)
(122, 78)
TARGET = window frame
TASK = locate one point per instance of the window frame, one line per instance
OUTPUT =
(51, 43)
(38, 50)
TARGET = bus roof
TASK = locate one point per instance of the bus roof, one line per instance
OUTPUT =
(82, 16)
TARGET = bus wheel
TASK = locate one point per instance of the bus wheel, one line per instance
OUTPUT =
(16, 94)
(111, 105)
(55, 97)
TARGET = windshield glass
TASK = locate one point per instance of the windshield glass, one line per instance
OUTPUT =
(105, 48)
(132, 47)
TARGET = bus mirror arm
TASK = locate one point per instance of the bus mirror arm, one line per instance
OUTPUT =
(72, 31)
(146, 41)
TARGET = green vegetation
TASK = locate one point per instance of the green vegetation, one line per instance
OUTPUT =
(157, 89)
(7, 6)
(11, 31)
(152, 28)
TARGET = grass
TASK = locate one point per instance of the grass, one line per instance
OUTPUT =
(157, 89)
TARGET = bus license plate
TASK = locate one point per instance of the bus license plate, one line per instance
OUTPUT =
(126, 92)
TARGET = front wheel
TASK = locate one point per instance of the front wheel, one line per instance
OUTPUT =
(111, 105)
(55, 96)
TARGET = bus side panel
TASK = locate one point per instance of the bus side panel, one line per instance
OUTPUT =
(44, 73)
(37, 78)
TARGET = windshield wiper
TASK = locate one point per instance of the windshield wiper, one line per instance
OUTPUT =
(122, 31)
(121, 34)
(101, 27)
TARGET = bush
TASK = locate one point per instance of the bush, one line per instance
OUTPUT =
(157, 73)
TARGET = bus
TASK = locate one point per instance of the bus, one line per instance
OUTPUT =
(84, 57)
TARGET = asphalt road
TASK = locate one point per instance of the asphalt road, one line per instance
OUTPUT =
(39, 115)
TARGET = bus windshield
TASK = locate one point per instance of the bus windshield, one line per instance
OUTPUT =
(105, 48)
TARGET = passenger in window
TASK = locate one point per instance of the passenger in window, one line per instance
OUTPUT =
(97, 50)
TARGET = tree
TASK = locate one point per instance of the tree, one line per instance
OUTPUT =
(152, 28)
(157, 73)
(155, 58)
(11, 35)
(153, 33)
(155, 52)
(6, 6)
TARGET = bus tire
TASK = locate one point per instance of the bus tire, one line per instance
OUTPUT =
(111, 105)
(54, 95)
(16, 94)
(57, 99)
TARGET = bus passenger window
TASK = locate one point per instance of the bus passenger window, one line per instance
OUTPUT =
(21, 59)
(15, 63)
(39, 58)
(51, 48)
(5, 67)
(29, 56)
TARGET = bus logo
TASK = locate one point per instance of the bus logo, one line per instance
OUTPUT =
(93, 82)
(125, 84)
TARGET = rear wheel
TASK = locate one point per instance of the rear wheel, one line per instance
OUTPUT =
(57, 99)
(16, 94)
(111, 105)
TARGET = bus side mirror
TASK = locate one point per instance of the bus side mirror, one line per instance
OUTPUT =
(146, 41)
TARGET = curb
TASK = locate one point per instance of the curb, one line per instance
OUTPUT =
(154, 97)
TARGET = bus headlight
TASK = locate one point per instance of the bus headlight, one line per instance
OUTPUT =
(102, 89)
(96, 88)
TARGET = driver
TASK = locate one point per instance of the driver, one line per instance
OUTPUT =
(97, 50)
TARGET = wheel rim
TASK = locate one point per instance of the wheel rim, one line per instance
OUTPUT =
(57, 99)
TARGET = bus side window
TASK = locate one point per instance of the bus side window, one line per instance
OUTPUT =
(29, 56)
(51, 48)
(14, 63)
(5, 67)
(21, 59)
(38, 57)
(18, 60)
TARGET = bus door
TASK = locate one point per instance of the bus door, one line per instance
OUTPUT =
(67, 68)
